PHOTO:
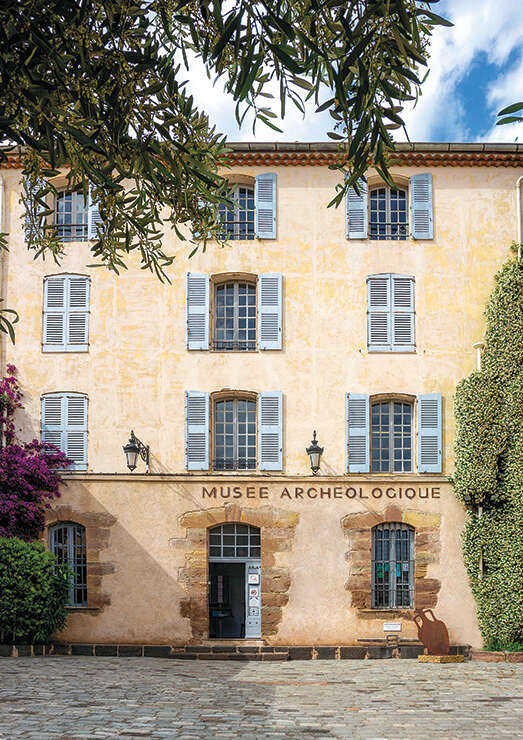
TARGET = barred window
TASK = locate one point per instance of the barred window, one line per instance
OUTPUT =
(388, 213)
(67, 543)
(238, 220)
(391, 437)
(235, 434)
(234, 541)
(235, 316)
(71, 213)
(392, 566)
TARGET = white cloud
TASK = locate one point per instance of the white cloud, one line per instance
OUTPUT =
(490, 27)
(494, 27)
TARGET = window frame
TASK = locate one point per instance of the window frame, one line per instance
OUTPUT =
(76, 563)
(77, 194)
(391, 400)
(389, 225)
(392, 562)
(235, 195)
(217, 531)
(236, 280)
(224, 397)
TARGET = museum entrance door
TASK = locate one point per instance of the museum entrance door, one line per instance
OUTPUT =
(234, 581)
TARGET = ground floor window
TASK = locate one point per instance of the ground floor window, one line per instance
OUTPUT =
(67, 543)
(392, 566)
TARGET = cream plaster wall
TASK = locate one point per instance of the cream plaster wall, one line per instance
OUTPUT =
(137, 368)
(145, 589)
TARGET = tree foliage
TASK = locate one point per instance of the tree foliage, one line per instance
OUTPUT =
(489, 464)
(29, 473)
(33, 592)
(98, 88)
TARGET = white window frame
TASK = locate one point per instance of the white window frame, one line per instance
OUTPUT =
(388, 224)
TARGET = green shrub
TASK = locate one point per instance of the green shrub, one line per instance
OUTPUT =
(33, 592)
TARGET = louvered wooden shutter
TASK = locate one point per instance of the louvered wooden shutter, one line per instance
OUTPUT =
(93, 217)
(379, 316)
(357, 428)
(40, 184)
(402, 289)
(265, 204)
(54, 313)
(76, 430)
(356, 206)
(196, 430)
(197, 317)
(421, 206)
(270, 311)
(78, 313)
(53, 421)
(429, 433)
(270, 435)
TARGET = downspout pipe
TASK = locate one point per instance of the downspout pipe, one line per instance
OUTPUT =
(519, 214)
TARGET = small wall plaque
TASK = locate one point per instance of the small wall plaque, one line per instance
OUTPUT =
(392, 626)
(254, 578)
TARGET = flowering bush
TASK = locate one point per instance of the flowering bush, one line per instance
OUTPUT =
(29, 473)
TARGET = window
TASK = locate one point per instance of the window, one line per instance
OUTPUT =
(380, 433)
(238, 220)
(388, 213)
(64, 424)
(71, 216)
(67, 543)
(391, 437)
(235, 316)
(234, 541)
(383, 214)
(66, 314)
(392, 566)
(247, 312)
(390, 313)
(246, 428)
(235, 434)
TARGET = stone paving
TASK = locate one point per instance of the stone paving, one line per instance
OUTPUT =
(74, 697)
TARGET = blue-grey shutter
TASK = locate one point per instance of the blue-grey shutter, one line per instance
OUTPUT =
(265, 204)
(197, 311)
(270, 435)
(379, 313)
(76, 430)
(356, 205)
(421, 206)
(40, 184)
(253, 599)
(54, 331)
(77, 313)
(402, 299)
(357, 429)
(270, 311)
(93, 217)
(429, 433)
(196, 430)
(53, 421)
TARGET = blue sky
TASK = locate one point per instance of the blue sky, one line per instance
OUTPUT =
(476, 68)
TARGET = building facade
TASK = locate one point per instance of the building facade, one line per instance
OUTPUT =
(356, 322)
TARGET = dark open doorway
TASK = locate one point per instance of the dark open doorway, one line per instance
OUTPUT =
(227, 600)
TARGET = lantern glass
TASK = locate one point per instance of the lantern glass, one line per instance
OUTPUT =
(315, 460)
(131, 453)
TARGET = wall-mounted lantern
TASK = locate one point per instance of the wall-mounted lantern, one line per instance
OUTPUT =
(314, 451)
(134, 448)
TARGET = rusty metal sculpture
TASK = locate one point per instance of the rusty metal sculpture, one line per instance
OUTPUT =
(432, 632)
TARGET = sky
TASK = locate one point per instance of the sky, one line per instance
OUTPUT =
(476, 69)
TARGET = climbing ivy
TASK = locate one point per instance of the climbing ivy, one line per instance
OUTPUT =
(489, 465)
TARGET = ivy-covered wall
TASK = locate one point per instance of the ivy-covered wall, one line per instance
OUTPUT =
(489, 465)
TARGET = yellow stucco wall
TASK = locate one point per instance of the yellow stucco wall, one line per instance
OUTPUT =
(137, 369)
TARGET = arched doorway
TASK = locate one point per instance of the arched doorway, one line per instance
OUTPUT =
(234, 581)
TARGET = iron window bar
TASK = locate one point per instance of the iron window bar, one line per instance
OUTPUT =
(238, 345)
(71, 232)
(392, 566)
(227, 463)
(392, 230)
(238, 230)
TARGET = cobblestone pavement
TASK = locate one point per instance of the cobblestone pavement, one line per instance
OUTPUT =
(74, 697)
